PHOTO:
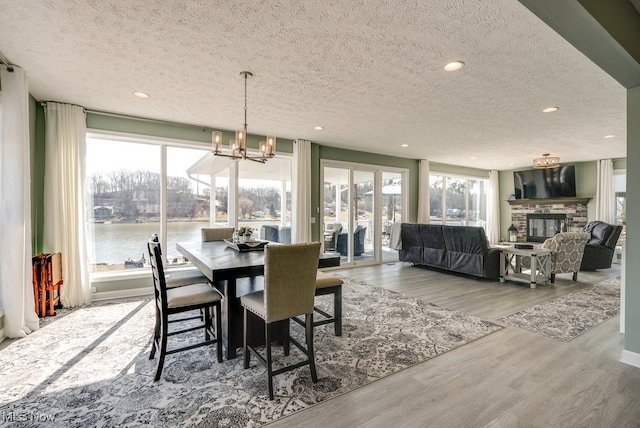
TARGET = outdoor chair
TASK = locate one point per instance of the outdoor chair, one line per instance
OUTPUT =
(289, 290)
(178, 300)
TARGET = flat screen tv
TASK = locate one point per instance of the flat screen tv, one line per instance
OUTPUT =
(545, 183)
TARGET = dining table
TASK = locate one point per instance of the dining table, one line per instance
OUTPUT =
(234, 273)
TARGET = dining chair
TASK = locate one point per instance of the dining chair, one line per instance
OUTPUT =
(183, 277)
(216, 233)
(177, 300)
(327, 284)
(289, 290)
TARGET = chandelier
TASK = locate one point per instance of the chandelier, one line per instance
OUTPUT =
(546, 162)
(238, 147)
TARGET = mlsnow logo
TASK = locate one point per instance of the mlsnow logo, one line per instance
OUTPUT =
(26, 417)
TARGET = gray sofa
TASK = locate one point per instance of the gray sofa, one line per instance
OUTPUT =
(461, 249)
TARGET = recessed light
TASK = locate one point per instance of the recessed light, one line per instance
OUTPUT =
(609, 136)
(318, 128)
(142, 95)
(550, 109)
(404, 145)
(454, 65)
(473, 157)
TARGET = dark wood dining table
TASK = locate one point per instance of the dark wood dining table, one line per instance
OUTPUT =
(224, 266)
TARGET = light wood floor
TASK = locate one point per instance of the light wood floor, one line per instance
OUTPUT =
(511, 378)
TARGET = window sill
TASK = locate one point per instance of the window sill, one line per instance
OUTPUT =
(128, 275)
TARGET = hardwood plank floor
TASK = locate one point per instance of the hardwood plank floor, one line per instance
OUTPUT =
(512, 378)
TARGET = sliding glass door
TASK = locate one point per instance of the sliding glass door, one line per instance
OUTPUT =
(361, 203)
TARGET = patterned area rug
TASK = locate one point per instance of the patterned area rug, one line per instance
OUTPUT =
(569, 316)
(90, 366)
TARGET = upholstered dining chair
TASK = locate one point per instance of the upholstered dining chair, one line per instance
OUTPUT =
(567, 252)
(216, 233)
(327, 284)
(289, 289)
(177, 300)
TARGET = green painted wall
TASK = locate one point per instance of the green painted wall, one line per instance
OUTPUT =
(36, 136)
(632, 268)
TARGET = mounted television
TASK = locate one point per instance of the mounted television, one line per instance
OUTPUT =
(545, 183)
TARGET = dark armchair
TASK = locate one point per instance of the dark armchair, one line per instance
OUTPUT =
(358, 242)
(599, 251)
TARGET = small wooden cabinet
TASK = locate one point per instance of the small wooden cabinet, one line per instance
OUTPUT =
(47, 279)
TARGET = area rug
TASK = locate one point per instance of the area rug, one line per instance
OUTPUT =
(569, 316)
(90, 366)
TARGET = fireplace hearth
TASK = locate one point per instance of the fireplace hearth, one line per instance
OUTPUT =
(542, 226)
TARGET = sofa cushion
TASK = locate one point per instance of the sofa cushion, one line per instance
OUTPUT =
(433, 251)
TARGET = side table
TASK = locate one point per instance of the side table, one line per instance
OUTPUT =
(511, 265)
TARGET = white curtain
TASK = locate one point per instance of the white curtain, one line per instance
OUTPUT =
(16, 287)
(65, 199)
(605, 195)
(301, 192)
(493, 208)
(423, 192)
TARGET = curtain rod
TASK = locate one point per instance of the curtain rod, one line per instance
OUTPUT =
(4, 61)
(146, 119)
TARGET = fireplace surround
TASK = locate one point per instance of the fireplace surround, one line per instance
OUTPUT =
(575, 210)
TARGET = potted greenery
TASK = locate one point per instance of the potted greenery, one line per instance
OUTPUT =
(245, 234)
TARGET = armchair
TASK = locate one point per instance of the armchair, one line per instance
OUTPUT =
(331, 232)
(601, 246)
(567, 252)
(358, 241)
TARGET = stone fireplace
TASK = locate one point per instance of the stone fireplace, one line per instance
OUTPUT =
(572, 210)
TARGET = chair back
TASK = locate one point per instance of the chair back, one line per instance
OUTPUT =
(290, 280)
(216, 233)
(567, 251)
(157, 271)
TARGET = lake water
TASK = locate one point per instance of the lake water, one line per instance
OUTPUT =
(118, 242)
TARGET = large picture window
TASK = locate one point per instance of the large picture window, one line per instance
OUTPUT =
(125, 179)
(457, 200)
(143, 186)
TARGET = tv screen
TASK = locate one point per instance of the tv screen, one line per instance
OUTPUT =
(545, 183)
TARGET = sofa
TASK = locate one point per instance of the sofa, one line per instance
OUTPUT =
(274, 233)
(599, 251)
(460, 249)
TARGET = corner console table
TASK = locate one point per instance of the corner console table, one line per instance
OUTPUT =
(511, 265)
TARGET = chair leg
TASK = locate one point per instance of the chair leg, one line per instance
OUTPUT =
(163, 352)
(218, 311)
(553, 278)
(575, 276)
(337, 312)
(310, 352)
(246, 354)
(156, 334)
(207, 324)
(267, 338)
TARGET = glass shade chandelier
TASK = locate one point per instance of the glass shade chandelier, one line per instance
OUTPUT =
(238, 146)
(546, 162)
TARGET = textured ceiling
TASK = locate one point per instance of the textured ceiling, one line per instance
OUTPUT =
(369, 71)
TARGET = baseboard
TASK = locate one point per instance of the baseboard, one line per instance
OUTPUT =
(122, 294)
(630, 358)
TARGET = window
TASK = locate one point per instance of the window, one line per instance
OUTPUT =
(620, 189)
(125, 179)
(458, 200)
